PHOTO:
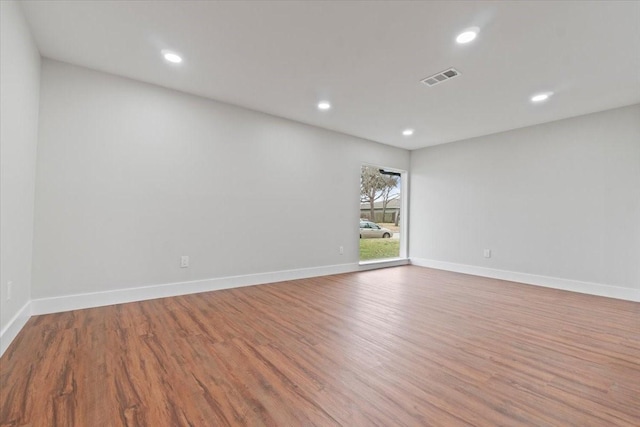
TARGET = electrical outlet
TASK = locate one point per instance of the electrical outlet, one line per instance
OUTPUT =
(9, 290)
(487, 253)
(184, 261)
(341, 250)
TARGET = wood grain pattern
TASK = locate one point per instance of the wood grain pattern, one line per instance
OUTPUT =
(404, 346)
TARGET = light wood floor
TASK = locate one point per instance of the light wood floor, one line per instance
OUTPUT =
(404, 346)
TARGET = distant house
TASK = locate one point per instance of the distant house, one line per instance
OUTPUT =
(391, 213)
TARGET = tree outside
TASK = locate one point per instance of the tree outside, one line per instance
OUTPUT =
(374, 187)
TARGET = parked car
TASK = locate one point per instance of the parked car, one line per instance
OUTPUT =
(370, 230)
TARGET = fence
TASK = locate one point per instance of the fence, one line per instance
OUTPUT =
(389, 216)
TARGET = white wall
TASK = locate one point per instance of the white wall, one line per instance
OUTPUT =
(19, 85)
(560, 200)
(132, 176)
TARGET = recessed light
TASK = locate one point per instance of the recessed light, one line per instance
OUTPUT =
(172, 57)
(468, 35)
(324, 105)
(541, 97)
(407, 132)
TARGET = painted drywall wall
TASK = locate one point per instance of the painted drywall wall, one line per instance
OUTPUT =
(560, 200)
(132, 176)
(19, 85)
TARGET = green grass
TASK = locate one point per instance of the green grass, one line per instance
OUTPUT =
(379, 248)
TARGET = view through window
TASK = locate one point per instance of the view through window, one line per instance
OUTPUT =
(380, 204)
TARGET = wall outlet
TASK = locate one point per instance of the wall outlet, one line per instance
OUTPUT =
(184, 261)
(487, 253)
(9, 290)
(341, 250)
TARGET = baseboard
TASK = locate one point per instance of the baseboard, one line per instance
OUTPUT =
(617, 292)
(119, 296)
(8, 334)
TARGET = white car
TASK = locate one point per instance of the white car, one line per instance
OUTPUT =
(370, 230)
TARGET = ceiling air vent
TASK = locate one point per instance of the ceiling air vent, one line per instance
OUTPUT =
(440, 77)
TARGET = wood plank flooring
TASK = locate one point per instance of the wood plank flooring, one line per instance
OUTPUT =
(404, 346)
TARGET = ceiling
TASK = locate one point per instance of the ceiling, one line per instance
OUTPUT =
(366, 58)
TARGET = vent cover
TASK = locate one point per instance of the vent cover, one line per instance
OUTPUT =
(440, 77)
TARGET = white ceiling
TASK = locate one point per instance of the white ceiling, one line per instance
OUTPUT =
(367, 58)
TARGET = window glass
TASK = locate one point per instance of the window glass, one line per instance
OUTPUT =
(382, 209)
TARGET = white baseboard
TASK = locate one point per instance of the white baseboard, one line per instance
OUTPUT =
(119, 296)
(618, 292)
(14, 326)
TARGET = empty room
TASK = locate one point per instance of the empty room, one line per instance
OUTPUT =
(180, 186)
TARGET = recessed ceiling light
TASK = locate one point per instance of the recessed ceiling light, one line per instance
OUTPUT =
(541, 97)
(407, 132)
(324, 105)
(172, 57)
(468, 35)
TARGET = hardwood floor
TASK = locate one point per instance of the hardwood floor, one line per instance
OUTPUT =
(404, 346)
